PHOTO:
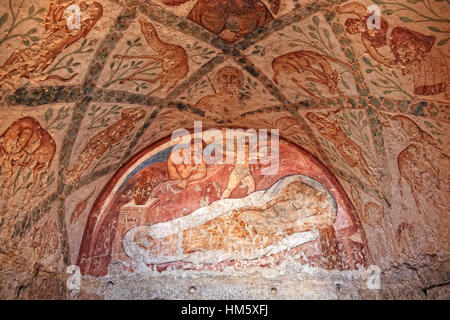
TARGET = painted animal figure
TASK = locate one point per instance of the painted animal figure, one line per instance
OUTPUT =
(418, 171)
(421, 163)
(411, 130)
(173, 59)
(353, 155)
(26, 144)
(99, 143)
(308, 61)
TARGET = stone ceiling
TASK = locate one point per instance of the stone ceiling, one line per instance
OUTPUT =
(373, 106)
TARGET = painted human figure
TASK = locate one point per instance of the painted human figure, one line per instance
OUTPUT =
(99, 143)
(295, 208)
(31, 62)
(226, 98)
(412, 52)
(232, 19)
(241, 174)
(183, 167)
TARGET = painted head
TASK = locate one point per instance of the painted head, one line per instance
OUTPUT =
(323, 123)
(133, 114)
(230, 79)
(354, 26)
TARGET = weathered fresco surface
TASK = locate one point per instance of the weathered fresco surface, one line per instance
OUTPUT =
(363, 112)
(218, 215)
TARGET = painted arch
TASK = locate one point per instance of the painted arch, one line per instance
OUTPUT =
(147, 218)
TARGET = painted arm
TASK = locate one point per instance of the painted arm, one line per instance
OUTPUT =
(185, 170)
(375, 55)
(198, 172)
(355, 8)
(172, 168)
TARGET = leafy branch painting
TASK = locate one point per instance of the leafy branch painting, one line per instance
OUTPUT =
(68, 59)
(120, 69)
(389, 82)
(25, 182)
(100, 117)
(57, 122)
(426, 13)
(317, 38)
(356, 127)
(198, 87)
(197, 52)
(15, 19)
(436, 130)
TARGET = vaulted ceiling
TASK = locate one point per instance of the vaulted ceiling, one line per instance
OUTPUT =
(372, 105)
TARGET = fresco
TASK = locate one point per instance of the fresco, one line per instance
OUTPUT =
(152, 59)
(29, 148)
(84, 110)
(305, 62)
(173, 59)
(102, 141)
(227, 91)
(400, 58)
(57, 38)
(232, 19)
(200, 216)
(49, 52)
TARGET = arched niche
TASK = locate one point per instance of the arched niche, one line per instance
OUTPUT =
(147, 218)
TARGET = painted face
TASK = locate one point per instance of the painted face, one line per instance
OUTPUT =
(230, 79)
